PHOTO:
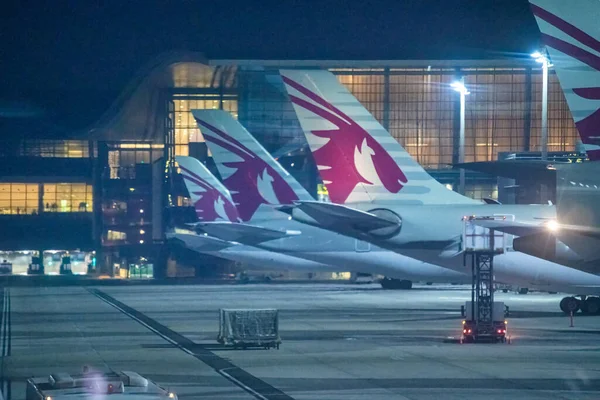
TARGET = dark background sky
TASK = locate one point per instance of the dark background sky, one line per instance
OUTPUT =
(55, 54)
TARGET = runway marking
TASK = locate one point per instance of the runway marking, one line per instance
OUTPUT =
(5, 335)
(241, 378)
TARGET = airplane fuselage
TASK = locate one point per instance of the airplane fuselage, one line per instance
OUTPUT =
(433, 234)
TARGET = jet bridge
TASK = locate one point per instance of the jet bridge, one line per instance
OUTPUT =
(484, 318)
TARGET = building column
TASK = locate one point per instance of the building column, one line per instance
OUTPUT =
(386, 99)
(527, 116)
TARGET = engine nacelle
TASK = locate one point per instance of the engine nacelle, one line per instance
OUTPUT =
(388, 215)
(547, 247)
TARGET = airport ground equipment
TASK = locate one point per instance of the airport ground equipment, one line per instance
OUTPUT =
(94, 384)
(243, 328)
(6, 268)
(36, 267)
(484, 318)
(65, 266)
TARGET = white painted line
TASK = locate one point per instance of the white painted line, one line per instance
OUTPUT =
(247, 388)
(168, 339)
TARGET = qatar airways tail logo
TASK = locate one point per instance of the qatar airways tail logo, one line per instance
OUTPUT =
(254, 182)
(350, 156)
(589, 127)
(209, 203)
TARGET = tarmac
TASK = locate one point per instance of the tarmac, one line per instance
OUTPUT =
(339, 341)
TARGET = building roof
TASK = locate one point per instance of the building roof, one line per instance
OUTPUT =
(139, 112)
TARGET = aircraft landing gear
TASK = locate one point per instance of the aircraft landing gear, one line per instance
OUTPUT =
(523, 290)
(570, 305)
(591, 305)
(391, 283)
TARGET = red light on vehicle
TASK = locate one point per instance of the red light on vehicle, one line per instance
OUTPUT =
(499, 330)
(464, 331)
(469, 331)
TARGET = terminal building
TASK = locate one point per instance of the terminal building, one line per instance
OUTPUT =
(104, 196)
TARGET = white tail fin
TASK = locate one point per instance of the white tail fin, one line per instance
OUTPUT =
(571, 32)
(248, 170)
(357, 158)
(211, 200)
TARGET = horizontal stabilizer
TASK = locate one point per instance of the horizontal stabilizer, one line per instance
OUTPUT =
(243, 233)
(487, 200)
(200, 243)
(329, 214)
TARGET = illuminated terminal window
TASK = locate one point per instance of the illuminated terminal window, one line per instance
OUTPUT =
(67, 197)
(124, 157)
(185, 127)
(368, 89)
(55, 148)
(115, 235)
(481, 191)
(19, 198)
(421, 110)
(495, 114)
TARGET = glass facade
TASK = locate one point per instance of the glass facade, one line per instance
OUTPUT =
(19, 198)
(24, 198)
(126, 160)
(55, 148)
(562, 132)
(421, 110)
(416, 105)
(495, 112)
(67, 197)
(185, 129)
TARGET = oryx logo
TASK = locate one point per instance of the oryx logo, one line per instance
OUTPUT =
(253, 182)
(211, 205)
(589, 126)
(350, 156)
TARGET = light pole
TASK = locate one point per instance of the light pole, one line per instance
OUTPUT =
(543, 59)
(460, 87)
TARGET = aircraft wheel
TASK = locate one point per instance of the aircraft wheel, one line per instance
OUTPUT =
(570, 305)
(591, 306)
(390, 283)
(405, 285)
(523, 290)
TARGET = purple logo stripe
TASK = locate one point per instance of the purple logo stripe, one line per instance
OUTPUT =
(582, 55)
(314, 97)
(254, 182)
(348, 145)
(589, 126)
(566, 27)
(211, 204)
(225, 136)
(588, 93)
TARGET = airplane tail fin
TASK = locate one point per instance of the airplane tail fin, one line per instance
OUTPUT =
(571, 33)
(211, 199)
(252, 175)
(357, 158)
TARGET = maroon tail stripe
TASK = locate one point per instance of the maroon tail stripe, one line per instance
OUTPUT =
(566, 27)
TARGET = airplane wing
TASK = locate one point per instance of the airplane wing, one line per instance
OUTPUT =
(242, 233)
(330, 214)
(526, 228)
(513, 227)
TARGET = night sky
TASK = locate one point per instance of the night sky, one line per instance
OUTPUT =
(57, 54)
